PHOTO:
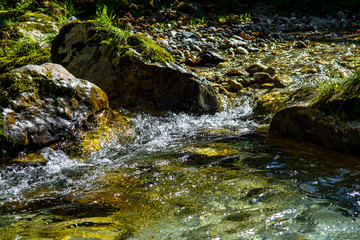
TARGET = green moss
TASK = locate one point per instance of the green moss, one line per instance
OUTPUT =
(149, 49)
(6, 144)
(119, 39)
(341, 99)
(17, 54)
(12, 85)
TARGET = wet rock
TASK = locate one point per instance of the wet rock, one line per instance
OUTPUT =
(308, 70)
(310, 124)
(195, 47)
(281, 81)
(270, 70)
(254, 68)
(267, 85)
(253, 49)
(188, 35)
(233, 43)
(241, 50)
(235, 73)
(211, 39)
(135, 73)
(300, 44)
(211, 57)
(233, 85)
(271, 102)
(49, 105)
(262, 77)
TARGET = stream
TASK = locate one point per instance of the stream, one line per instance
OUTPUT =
(220, 176)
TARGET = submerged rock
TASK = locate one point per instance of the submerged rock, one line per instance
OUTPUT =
(42, 104)
(132, 70)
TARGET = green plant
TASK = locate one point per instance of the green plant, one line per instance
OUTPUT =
(111, 35)
(161, 26)
(233, 19)
(102, 15)
(329, 86)
(148, 48)
(193, 22)
(67, 9)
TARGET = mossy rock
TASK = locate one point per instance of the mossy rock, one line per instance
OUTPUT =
(25, 37)
(115, 39)
(11, 86)
(23, 53)
(43, 104)
(341, 100)
(16, 24)
(132, 69)
(5, 141)
(104, 129)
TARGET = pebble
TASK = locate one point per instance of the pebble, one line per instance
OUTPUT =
(262, 77)
(211, 57)
(253, 49)
(233, 85)
(235, 73)
(233, 43)
(300, 44)
(281, 81)
(241, 50)
(255, 67)
(308, 70)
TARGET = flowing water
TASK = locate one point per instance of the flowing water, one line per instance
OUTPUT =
(218, 176)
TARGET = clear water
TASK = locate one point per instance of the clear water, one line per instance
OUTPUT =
(216, 176)
(186, 177)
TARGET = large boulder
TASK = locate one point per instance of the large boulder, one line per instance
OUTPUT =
(132, 70)
(42, 104)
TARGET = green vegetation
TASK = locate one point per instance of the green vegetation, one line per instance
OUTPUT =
(102, 15)
(67, 8)
(149, 49)
(11, 86)
(15, 54)
(233, 19)
(5, 142)
(341, 98)
(194, 22)
(121, 40)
